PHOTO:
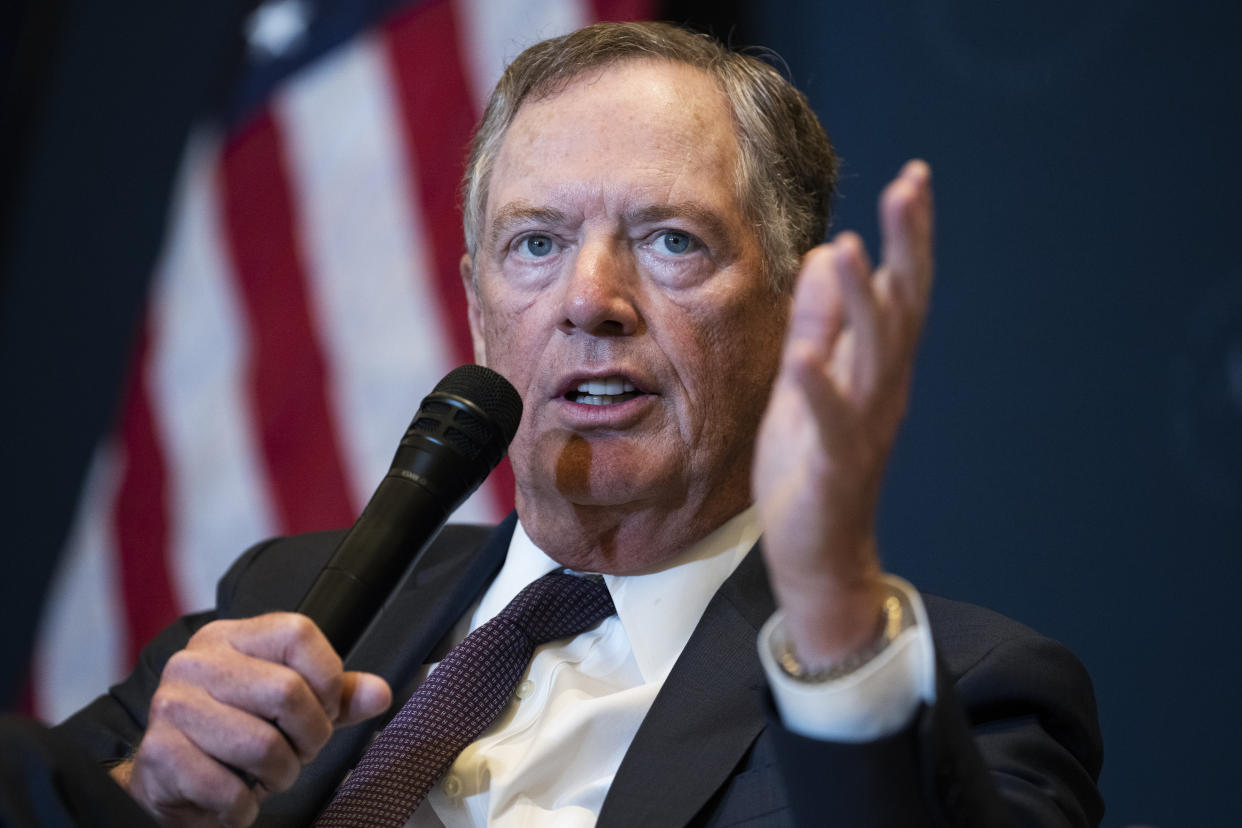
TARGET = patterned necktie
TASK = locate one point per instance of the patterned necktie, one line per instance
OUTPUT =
(460, 699)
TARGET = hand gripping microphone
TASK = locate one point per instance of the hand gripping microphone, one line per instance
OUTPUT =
(459, 434)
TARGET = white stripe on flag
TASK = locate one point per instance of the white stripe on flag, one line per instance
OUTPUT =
(80, 646)
(372, 291)
(217, 490)
(492, 34)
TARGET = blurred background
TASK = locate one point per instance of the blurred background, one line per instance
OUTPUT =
(230, 238)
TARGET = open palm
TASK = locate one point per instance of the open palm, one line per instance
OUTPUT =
(833, 417)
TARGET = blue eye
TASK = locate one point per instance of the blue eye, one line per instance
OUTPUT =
(676, 242)
(536, 246)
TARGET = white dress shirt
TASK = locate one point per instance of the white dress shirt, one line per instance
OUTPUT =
(552, 755)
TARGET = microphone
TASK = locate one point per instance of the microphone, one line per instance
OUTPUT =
(459, 434)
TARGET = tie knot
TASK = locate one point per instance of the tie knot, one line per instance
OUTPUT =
(559, 605)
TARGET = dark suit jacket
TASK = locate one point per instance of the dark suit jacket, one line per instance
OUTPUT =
(1011, 739)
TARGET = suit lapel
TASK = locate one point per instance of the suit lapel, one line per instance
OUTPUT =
(706, 716)
(436, 592)
(432, 598)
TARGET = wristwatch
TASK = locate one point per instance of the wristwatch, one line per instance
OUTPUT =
(896, 615)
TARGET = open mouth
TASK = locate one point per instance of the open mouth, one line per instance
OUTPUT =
(607, 391)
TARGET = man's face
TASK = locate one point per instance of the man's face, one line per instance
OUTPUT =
(619, 289)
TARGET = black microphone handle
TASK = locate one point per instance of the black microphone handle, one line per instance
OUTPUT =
(370, 561)
(457, 437)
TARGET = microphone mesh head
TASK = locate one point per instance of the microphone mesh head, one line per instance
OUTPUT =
(490, 392)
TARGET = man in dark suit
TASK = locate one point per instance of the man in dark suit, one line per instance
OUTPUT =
(639, 205)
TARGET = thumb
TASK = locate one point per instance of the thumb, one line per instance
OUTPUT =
(363, 695)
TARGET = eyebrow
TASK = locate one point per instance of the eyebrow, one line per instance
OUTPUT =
(716, 229)
(522, 212)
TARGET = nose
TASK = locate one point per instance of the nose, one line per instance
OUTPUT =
(599, 298)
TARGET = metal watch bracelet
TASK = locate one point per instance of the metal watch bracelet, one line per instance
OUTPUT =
(896, 615)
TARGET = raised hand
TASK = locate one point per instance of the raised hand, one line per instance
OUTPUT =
(830, 425)
(261, 696)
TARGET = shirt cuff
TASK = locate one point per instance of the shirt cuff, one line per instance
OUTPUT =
(877, 699)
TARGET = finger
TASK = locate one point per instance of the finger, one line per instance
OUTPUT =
(229, 735)
(853, 271)
(267, 690)
(906, 226)
(817, 313)
(818, 347)
(805, 368)
(286, 638)
(172, 777)
(363, 695)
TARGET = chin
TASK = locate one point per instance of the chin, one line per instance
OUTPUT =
(618, 475)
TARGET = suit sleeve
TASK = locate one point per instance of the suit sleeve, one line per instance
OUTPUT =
(110, 727)
(1010, 740)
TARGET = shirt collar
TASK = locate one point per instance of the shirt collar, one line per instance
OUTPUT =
(657, 610)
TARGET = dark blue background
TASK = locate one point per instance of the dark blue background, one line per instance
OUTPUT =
(1073, 453)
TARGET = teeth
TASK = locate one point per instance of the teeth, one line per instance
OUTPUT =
(610, 386)
(606, 391)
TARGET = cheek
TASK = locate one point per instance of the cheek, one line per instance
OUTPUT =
(740, 342)
(503, 332)
(745, 355)
(514, 350)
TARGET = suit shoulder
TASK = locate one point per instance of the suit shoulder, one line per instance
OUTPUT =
(966, 633)
(276, 573)
(1003, 670)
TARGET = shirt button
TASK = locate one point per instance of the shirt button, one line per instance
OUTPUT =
(451, 786)
(524, 689)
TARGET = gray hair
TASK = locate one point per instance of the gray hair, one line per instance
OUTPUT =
(787, 169)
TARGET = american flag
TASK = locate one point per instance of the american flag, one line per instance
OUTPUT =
(307, 298)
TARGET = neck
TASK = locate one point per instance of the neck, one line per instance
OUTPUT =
(622, 540)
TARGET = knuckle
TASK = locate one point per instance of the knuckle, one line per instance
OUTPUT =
(271, 752)
(240, 809)
(167, 705)
(302, 630)
(156, 751)
(211, 633)
(288, 689)
(284, 776)
(312, 734)
(184, 665)
(317, 739)
(275, 763)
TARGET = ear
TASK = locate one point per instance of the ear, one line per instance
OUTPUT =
(475, 312)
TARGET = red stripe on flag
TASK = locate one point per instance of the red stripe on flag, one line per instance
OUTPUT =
(623, 10)
(141, 516)
(287, 376)
(438, 117)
